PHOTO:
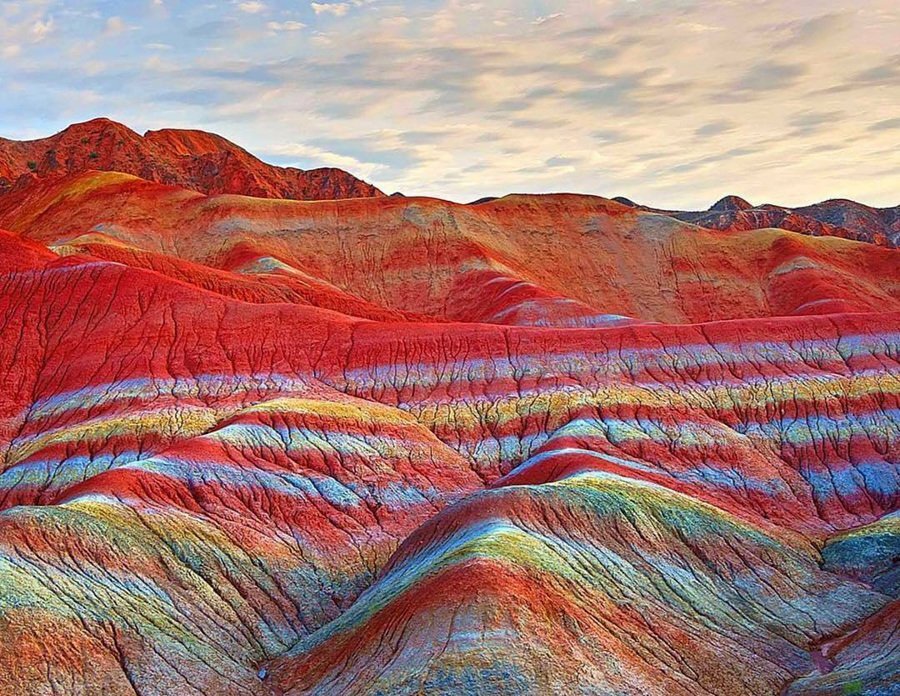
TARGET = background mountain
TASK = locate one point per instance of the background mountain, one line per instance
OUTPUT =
(836, 218)
(537, 444)
(189, 158)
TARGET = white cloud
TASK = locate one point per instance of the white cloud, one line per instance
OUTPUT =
(319, 157)
(252, 6)
(41, 29)
(397, 21)
(547, 18)
(338, 9)
(289, 25)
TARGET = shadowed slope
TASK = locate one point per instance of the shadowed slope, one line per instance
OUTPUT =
(867, 659)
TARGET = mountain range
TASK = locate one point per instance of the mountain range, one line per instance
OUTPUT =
(267, 431)
(836, 218)
(188, 158)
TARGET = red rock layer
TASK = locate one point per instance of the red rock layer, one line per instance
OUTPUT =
(192, 159)
(560, 261)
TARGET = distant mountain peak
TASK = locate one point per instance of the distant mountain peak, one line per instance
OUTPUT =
(730, 204)
(189, 158)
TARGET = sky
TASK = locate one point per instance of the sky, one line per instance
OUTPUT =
(671, 103)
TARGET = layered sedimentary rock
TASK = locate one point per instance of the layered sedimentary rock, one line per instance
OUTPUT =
(541, 444)
(835, 218)
(594, 582)
(510, 261)
(193, 159)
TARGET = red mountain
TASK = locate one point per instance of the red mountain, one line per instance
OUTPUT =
(192, 159)
(542, 444)
(833, 218)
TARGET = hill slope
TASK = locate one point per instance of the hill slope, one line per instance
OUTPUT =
(556, 260)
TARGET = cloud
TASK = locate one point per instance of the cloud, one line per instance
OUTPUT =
(887, 124)
(196, 97)
(41, 29)
(307, 156)
(251, 6)
(822, 28)
(338, 9)
(722, 125)
(289, 25)
(887, 74)
(114, 26)
(770, 75)
(547, 18)
(807, 122)
(560, 161)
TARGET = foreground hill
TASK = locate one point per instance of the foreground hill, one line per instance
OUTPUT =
(193, 159)
(542, 444)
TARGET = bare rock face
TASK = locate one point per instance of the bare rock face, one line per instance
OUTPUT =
(396, 445)
(191, 159)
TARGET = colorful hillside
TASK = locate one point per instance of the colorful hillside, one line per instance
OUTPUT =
(538, 444)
